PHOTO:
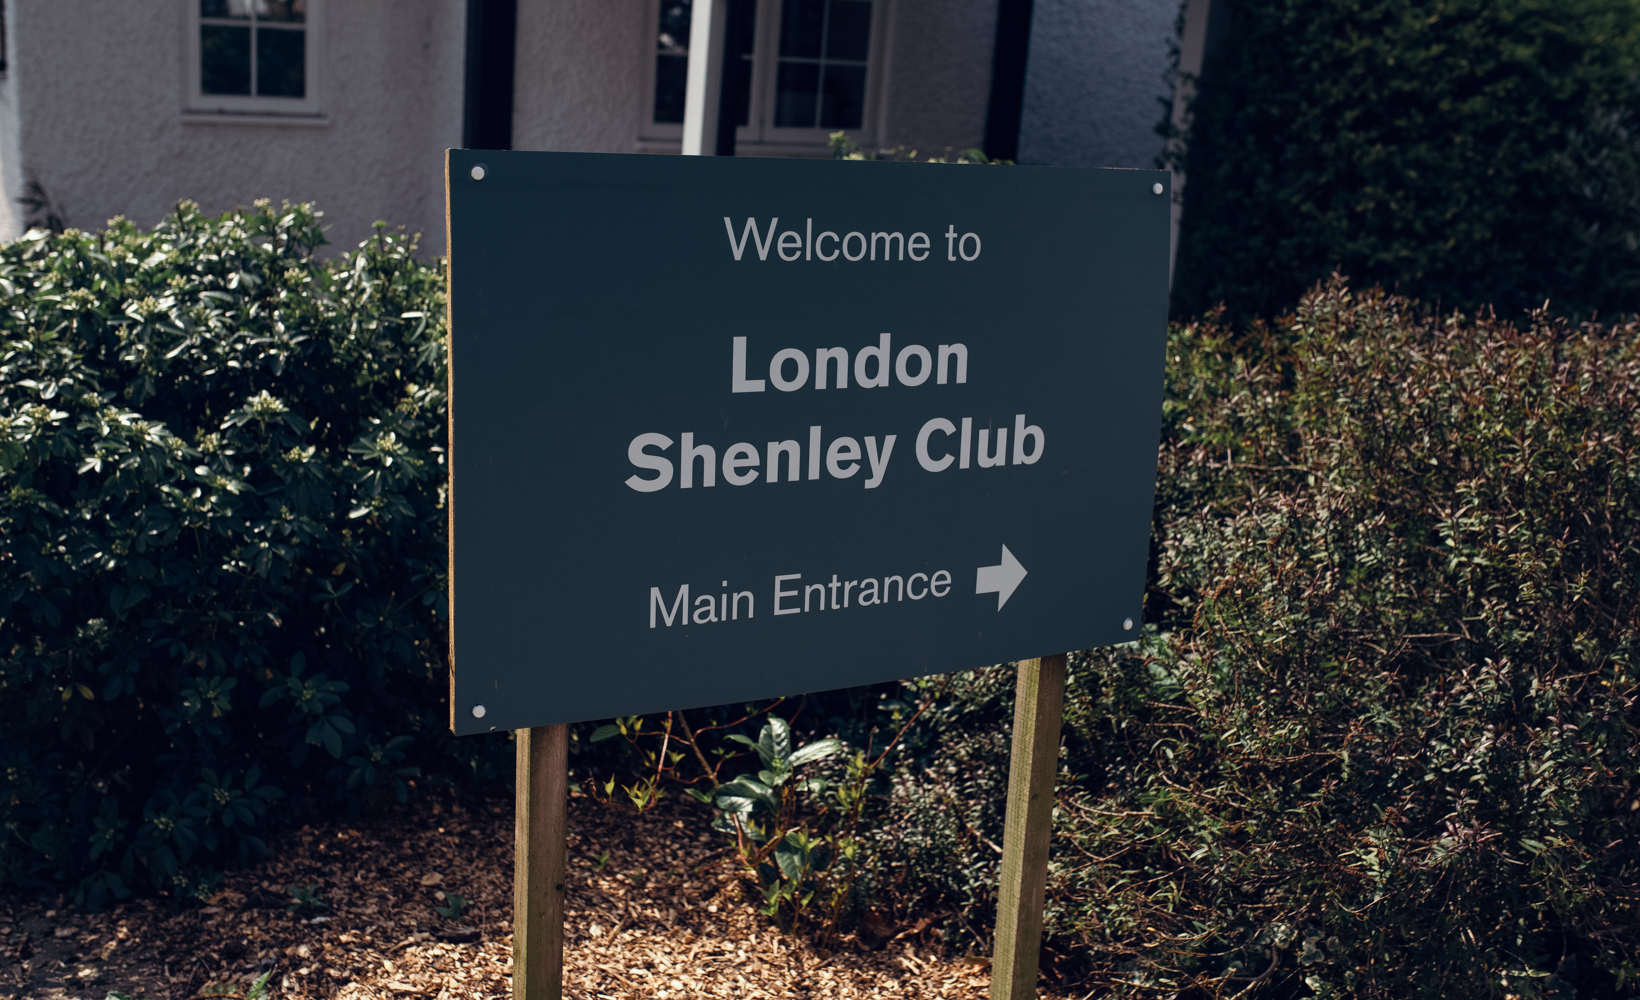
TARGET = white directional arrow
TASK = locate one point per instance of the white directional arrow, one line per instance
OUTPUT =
(1002, 579)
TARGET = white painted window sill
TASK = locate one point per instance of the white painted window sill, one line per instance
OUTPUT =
(817, 151)
(253, 118)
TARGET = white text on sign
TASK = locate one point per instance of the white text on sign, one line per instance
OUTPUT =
(852, 246)
(743, 463)
(912, 367)
(793, 597)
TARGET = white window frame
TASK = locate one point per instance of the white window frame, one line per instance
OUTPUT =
(760, 137)
(198, 103)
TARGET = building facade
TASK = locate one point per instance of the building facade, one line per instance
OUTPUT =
(126, 108)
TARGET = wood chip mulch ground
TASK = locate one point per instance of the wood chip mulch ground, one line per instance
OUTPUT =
(656, 909)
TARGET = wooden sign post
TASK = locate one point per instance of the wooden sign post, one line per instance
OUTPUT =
(1028, 825)
(542, 835)
(541, 831)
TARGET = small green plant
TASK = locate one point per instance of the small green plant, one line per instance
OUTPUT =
(646, 791)
(844, 148)
(383, 761)
(305, 899)
(259, 988)
(453, 907)
(792, 859)
(657, 756)
(603, 859)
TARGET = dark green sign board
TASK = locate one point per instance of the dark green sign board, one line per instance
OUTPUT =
(730, 428)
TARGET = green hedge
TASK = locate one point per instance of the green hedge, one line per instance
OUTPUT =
(221, 542)
(1380, 736)
(1467, 152)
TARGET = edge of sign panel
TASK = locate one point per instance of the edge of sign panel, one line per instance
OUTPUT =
(505, 710)
(449, 438)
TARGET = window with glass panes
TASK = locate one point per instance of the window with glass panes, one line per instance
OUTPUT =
(821, 82)
(253, 48)
(821, 58)
(672, 59)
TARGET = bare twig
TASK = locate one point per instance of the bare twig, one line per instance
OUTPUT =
(694, 745)
(1275, 960)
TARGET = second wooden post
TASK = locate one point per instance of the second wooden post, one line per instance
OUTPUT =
(540, 843)
(1029, 823)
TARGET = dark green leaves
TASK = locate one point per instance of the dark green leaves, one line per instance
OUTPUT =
(1389, 703)
(742, 794)
(1383, 716)
(219, 455)
(774, 749)
(453, 907)
(1470, 152)
(305, 899)
(818, 750)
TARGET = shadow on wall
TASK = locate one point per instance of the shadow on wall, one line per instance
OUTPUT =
(43, 213)
(1095, 73)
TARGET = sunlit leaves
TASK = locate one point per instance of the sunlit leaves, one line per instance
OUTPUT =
(769, 815)
(1389, 697)
(177, 409)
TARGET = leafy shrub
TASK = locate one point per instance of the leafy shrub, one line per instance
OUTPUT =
(935, 840)
(1461, 152)
(798, 861)
(221, 541)
(799, 838)
(844, 148)
(1379, 738)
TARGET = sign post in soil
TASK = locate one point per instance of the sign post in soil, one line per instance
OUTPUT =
(737, 428)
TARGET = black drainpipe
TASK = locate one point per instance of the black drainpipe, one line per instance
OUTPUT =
(738, 22)
(1013, 46)
(492, 26)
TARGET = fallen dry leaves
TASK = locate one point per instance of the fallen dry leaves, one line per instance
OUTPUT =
(656, 909)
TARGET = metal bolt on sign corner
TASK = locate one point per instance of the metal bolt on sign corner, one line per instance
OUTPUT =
(1155, 188)
(478, 173)
(1127, 626)
(478, 711)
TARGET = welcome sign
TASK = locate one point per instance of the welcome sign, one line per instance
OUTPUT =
(728, 428)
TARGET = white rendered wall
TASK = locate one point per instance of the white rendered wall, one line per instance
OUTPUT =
(1094, 82)
(579, 76)
(939, 85)
(98, 90)
(11, 162)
